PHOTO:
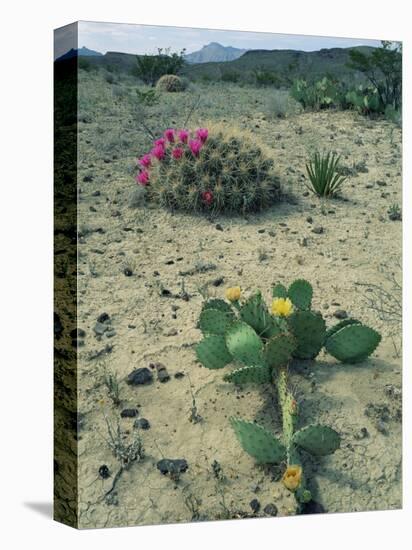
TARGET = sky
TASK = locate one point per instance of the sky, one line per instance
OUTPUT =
(145, 39)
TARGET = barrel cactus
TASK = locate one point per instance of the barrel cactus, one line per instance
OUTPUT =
(170, 83)
(213, 169)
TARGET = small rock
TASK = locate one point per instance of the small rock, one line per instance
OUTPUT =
(309, 219)
(218, 282)
(318, 230)
(99, 328)
(270, 510)
(340, 314)
(172, 466)
(179, 375)
(218, 227)
(128, 272)
(381, 427)
(261, 230)
(129, 413)
(140, 376)
(88, 178)
(255, 505)
(96, 194)
(142, 424)
(103, 317)
(110, 333)
(171, 332)
(162, 374)
(272, 233)
(104, 471)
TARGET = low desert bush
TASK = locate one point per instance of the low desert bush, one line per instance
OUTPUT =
(171, 83)
(214, 169)
(280, 104)
(324, 175)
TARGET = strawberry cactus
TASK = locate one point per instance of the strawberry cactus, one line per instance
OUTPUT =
(262, 344)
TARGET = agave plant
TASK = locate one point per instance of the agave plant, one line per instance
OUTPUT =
(325, 178)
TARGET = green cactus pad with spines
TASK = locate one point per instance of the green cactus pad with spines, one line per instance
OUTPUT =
(255, 313)
(279, 349)
(330, 332)
(217, 303)
(309, 329)
(259, 374)
(258, 442)
(300, 292)
(279, 291)
(317, 440)
(244, 344)
(353, 343)
(213, 321)
(213, 353)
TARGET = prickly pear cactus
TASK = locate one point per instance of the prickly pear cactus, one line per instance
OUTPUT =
(258, 374)
(213, 353)
(301, 292)
(309, 329)
(244, 344)
(279, 349)
(255, 313)
(317, 440)
(258, 442)
(353, 343)
(214, 321)
(331, 331)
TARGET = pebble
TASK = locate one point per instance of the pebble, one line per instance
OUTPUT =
(270, 510)
(142, 424)
(179, 375)
(162, 374)
(128, 272)
(129, 413)
(340, 314)
(172, 466)
(255, 505)
(99, 328)
(103, 317)
(318, 230)
(140, 376)
(104, 471)
(110, 333)
(219, 227)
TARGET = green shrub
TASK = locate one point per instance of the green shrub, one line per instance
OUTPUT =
(280, 104)
(365, 100)
(229, 171)
(150, 68)
(230, 76)
(322, 94)
(147, 97)
(324, 175)
(170, 83)
(263, 77)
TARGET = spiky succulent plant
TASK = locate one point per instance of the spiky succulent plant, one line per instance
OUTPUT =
(262, 344)
(214, 169)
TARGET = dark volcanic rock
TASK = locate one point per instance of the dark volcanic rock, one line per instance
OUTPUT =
(340, 314)
(255, 505)
(103, 317)
(99, 328)
(270, 510)
(142, 424)
(104, 471)
(140, 377)
(129, 413)
(172, 465)
(162, 374)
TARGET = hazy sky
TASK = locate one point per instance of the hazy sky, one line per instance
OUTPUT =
(140, 39)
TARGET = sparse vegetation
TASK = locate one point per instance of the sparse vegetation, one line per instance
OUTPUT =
(324, 176)
(170, 83)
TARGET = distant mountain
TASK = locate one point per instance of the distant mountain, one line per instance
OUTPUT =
(79, 52)
(214, 52)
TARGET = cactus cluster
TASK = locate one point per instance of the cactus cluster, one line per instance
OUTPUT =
(214, 169)
(365, 99)
(262, 344)
(170, 83)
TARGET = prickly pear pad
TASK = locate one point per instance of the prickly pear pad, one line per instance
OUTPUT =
(317, 440)
(301, 292)
(279, 349)
(255, 313)
(244, 344)
(331, 331)
(353, 343)
(258, 374)
(309, 329)
(213, 321)
(213, 353)
(258, 442)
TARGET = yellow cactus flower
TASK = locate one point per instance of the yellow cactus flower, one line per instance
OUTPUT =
(233, 293)
(292, 477)
(282, 306)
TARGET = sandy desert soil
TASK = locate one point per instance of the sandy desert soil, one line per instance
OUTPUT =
(132, 264)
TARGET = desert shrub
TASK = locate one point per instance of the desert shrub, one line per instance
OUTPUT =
(263, 77)
(170, 83)
(109, 78)
(219, 169)
(149, 68)
(324, 174)
(147, 97)
(230, 76)
(280, 104)
(383, 68)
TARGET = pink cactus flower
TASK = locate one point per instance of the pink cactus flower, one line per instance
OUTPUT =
(145, 161)
(207, 197)
(158, 152)
(177, 153)
(195, 145)
(202, 134)
(143, 177)
(161, 142)
(183, 135)
(170, 135)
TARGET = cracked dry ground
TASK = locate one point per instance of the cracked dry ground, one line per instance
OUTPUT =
(149, 326)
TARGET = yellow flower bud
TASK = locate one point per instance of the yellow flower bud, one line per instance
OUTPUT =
(282, 306)
(233, 293)
(292, 477)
